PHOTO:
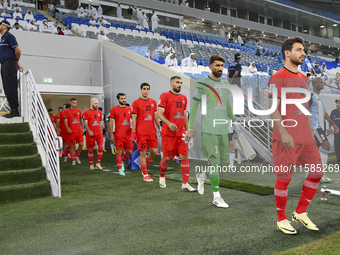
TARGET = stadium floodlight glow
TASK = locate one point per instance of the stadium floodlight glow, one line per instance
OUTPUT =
(275, 34)
(234, 26)
(219, 23)
(335, 25)
(264, 35)
(322, 26)
(198, 22)
(202, 19)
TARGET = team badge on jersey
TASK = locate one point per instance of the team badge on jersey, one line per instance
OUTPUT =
(178, 116)
(271, 88)
(125, 123)
(148, 117)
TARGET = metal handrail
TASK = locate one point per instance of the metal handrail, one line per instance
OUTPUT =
(48, 143)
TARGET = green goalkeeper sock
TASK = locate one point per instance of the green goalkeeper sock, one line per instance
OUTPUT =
(213, 174)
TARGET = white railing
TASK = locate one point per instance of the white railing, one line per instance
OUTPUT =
(49, 144)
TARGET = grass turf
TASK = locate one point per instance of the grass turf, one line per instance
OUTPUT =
(103, 213)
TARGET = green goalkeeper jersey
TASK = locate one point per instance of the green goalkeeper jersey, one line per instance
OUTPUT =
(218, 106)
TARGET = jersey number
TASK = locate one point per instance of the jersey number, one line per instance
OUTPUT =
(178, 104)
(143, 145)
(124, 114)
(172, 152)
(148, 107)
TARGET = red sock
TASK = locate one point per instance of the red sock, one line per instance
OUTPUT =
(281, 194)
(126, 156)
(185, 169)
(68, 149)
(163, 167)
(309, 188)
(148, 161)
(78, 154)
(119, 161)
(90, 155)
(99, 153)
(144, 170)
(73, 157)
(65, 151)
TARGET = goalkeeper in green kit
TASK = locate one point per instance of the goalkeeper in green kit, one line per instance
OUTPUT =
(214, 138)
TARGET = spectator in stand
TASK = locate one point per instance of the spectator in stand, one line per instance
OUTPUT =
(234, 71)
(87, 12)
(104, 21)
(119, 11)
(139, 16)
(103, 27)
(171, 60)
(134, 13)
(80, 12)
(54, 28)
(279, 58)
(336, 80)
(222, 31)
(129, 12)
(139, 27)
(207, 9)
(102, 36)
(1, 6)
(92, 21)
(28, 15)
(168, 48)
(100, 10)
(44, 26)
(145, 23)
(31, 26)
(16, 26)
(8, 6)
(239, 40)
(67, 31)
(161, 48)
(258, 53)
(54, 10)
(17, 7)
(154, 21)
(190, 61)
(317, 69)
(93, 12)
(252, 68)
(40, 5)
(17, 14)
(59, 31)
(6, 13)
(323, 68)
(337, 59)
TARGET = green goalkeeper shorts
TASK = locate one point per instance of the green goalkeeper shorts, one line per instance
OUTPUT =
(217, 145)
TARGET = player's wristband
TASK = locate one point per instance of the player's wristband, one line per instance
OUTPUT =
(133, 135)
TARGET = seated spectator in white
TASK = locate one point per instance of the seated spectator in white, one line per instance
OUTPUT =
(1, 6)
(8, 5)
(17, 7)
(102, 36)
(222, 31)
(31, 25)
(16, 26)
(314, 64)
(139, 27)
(80, 12)
(168, 48)
(252, 68)
(6, 14)
(87, 12)
(67, 31)
(28, 15)
(93, 28)
(190, 61)
(93, 21)
(102, 20)
(44, 26)
(17, 14)
(171, 60)
(103, 27)
(54, 28)
(323, 68)
(59, 31)
(161, 48)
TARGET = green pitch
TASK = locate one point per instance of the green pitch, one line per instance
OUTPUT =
(103, 213)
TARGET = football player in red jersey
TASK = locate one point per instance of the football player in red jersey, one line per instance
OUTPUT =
(144, 115)
(122, 136)
(74, 122)
(93, 120)
(172, 112)
(53, 119)
(293, 142)
(62, 131)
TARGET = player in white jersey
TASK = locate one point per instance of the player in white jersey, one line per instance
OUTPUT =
(318, 116)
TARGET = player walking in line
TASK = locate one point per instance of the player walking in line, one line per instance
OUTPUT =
(293, 144)
(172, 112)
(215, 141)
(121, 114)
(73, 122)
(93, 120)
(318, 116)
(144, 115)
(62, 131)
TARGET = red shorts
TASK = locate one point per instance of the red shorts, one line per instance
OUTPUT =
(146, 141)
(122, 142)
(302, 155)
(75, 138)
(174, 146)
(64, 136)
(91, 140)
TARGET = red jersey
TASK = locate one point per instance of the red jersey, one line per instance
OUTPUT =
(53, 118)
(122, 116)
(175, 110)
(94, 117)
(61, 117)
(73, 117)
(145, 110)
(301, 133)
